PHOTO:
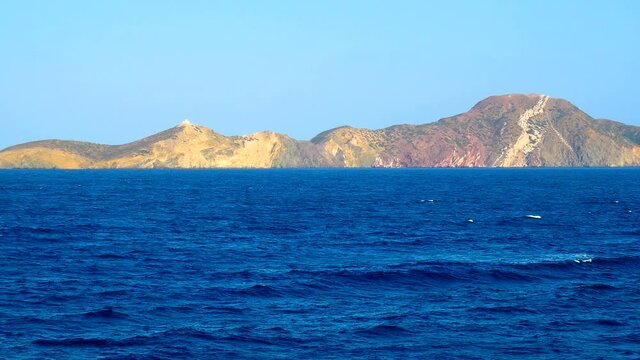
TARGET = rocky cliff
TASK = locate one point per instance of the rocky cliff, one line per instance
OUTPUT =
(500, 131)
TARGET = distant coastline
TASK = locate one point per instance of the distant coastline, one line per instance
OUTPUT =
(501, 131)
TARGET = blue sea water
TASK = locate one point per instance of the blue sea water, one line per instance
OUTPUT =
(333, 264)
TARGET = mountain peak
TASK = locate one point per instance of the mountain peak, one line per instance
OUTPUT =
(185, 123)
(509, 101)
(514, 97)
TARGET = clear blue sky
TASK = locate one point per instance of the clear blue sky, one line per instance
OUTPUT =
(114, 71)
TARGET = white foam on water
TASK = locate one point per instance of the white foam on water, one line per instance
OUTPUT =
(534, 216)
(583, 258)
(583, 261)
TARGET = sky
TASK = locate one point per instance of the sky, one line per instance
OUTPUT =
(115, 71)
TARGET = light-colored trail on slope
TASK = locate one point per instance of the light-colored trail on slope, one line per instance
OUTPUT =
(561, 138)
(529, 138)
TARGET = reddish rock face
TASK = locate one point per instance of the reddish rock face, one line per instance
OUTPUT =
(500, 131)
(511, 131)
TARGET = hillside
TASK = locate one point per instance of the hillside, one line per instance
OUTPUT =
(500, 131)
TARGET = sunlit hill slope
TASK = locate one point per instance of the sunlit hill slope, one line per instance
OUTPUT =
(500, 131)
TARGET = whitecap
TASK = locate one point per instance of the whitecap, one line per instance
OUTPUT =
(582, 261)
(583, 258)
(534, 216)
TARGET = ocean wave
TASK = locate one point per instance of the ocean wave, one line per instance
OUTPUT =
(609, 322)
(174, 308)
(242, 335)
(502, 309)
(139, 340)
(441, 274)
(105, 313)
(383, 330)
(226, 309)
(458, 271)
(110, 256)
(597, 286)
(257, 290)
(31, 229)
(396, 276)
(115, 293)
(557, 261)
(77, 342)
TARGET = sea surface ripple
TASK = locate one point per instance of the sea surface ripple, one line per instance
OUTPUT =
(332, 264)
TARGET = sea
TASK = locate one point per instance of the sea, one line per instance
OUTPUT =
(320, 264)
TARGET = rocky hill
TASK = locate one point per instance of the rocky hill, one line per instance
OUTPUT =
(500, 131)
